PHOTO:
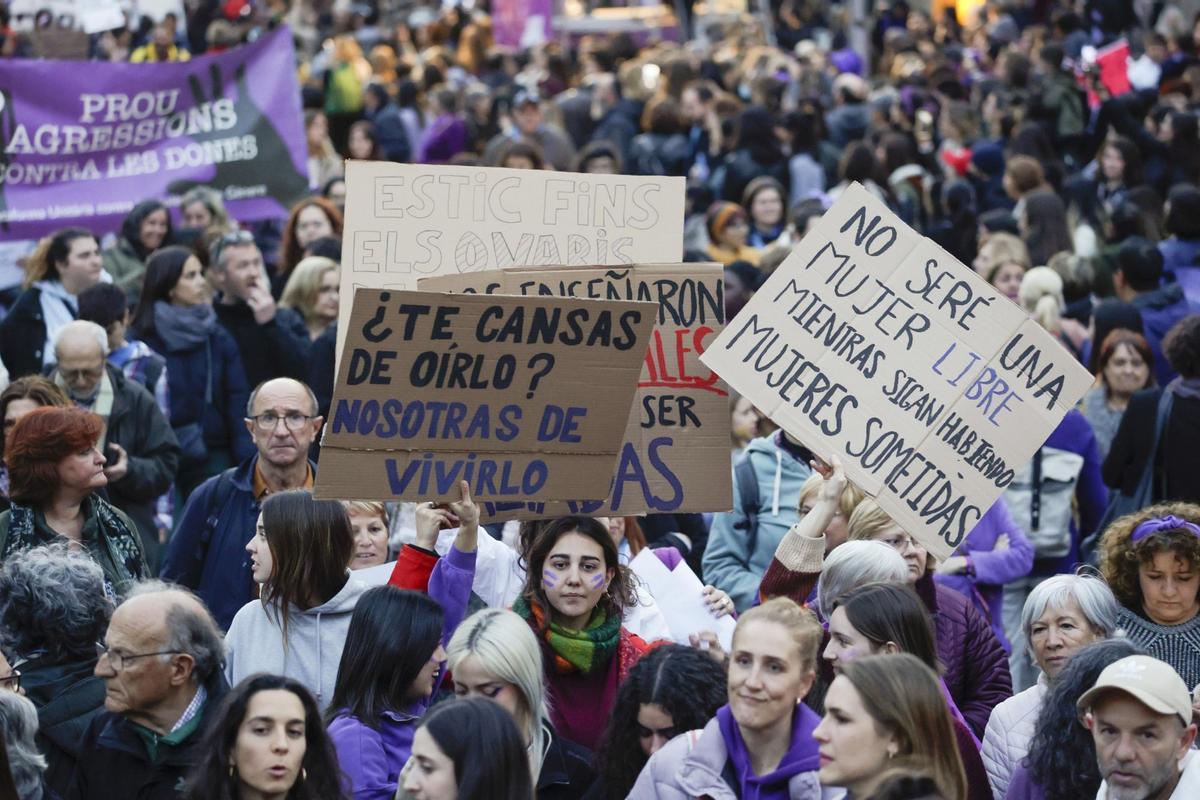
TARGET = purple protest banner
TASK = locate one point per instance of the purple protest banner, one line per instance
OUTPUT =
(84, 141)
(522, 23)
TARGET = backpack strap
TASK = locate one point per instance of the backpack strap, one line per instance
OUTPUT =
(748, 494)
(217, 501)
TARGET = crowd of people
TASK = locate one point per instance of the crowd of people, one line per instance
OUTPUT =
(179, 617)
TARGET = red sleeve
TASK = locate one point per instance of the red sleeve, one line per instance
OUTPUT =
(779, 581)
(413, 568)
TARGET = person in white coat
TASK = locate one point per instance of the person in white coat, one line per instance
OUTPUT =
(1061, 615)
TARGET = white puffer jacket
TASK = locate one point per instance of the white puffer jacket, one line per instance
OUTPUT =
(1009, 731)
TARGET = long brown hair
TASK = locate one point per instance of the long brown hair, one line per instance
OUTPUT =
(621, 593)
(902, 695)
(310, 542)
(292, 252)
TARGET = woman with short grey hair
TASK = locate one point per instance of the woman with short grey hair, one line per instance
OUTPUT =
(53, 610)
(1061, 615)
(19, 724)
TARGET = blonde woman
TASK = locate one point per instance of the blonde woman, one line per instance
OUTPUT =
(1001, 248)
(312, 291)
(370, 524)
(494, 654)
(1041, 295)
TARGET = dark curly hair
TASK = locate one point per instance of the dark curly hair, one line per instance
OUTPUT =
(1062, 757)
(1182, 346)
(1120, 559)
(686, 683)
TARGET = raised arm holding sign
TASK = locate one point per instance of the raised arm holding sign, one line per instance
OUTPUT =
(930, 385)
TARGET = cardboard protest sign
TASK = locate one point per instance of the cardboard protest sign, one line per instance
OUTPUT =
(522, 397)
(872, 342)
(676, 452)
(81, 146)
(408, 221)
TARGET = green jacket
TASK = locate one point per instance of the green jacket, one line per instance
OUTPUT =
(126, 269)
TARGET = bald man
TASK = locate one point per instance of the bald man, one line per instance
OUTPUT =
(160, 662)
(141, 448)
(207, 551)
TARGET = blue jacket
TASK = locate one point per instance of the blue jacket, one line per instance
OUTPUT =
(1161, 309)
(187, 378)
(207, 552)
(729, 562)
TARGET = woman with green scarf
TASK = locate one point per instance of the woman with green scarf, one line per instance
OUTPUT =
(575, 594)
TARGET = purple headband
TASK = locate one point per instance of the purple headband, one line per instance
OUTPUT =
(1167, 523)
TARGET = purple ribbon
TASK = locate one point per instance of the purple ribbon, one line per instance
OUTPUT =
(1167, 523)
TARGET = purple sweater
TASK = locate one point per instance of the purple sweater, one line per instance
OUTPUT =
(993, 568)
(370, 758)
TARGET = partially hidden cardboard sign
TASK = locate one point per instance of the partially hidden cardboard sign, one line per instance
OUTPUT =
(872, 342)
(408, 221)
(675, 457)
(522, 397)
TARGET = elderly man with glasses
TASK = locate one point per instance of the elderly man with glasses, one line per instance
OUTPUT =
(207, 552)
(161, 664)
(273, 341)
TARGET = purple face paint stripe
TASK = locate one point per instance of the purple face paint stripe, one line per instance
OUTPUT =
(549, 578)
(597, 581)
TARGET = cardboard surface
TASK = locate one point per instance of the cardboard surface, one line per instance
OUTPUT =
(522, 397)
(872, 342)
(408, 221)
(676, 452)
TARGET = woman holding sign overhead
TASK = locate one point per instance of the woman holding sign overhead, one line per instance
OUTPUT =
(576, 592)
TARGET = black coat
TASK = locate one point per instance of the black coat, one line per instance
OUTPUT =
(113, 762)
(566, 771)
(1175, 473)
(23, 335)
(138, 425)
(278, 349)
(67, 697)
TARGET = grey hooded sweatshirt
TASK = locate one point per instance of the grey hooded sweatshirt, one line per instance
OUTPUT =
(311, 652)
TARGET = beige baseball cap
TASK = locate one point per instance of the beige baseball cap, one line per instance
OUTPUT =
(1153, 683)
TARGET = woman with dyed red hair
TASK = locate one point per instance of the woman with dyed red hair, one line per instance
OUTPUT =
(55, 466)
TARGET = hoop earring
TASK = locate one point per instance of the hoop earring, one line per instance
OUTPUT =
(303, 774)
(232, 771)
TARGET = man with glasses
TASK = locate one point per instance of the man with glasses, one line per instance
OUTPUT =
(141, 448)
(207, 552)
(161, 664)
(273, 341)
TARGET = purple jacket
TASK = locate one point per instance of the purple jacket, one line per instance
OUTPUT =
(1022, 787)
(993, 568)
(976, 665)
(370, 758)
(445, 138)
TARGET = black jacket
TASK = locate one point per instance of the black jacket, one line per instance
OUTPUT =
(1175, 473)
(23, 335)
(278, 349)
(138, 425)
(566, 771)
(67, 697)
(113, 762)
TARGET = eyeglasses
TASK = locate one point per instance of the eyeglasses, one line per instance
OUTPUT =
(231, 238)
(81, 374)
(11, 681)
(266, 422)
(901, 543)
(119, 660)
